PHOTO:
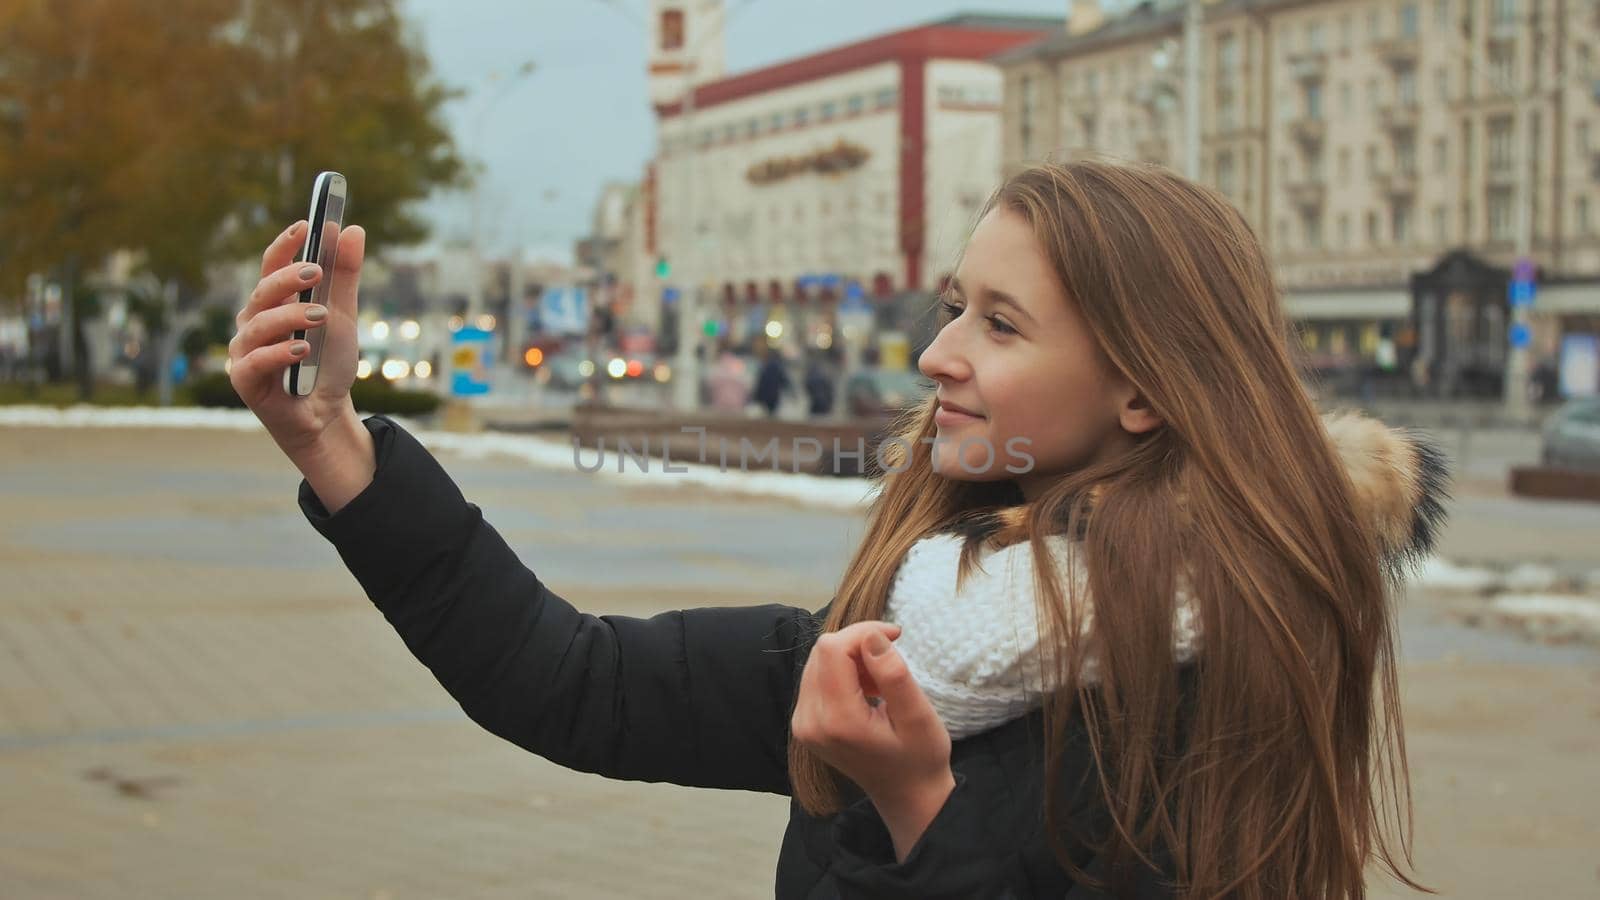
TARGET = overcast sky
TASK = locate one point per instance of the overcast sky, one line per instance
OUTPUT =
(551, 139)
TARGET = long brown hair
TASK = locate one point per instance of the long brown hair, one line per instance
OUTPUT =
(1275, 766)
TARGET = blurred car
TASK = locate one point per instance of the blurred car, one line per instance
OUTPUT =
(878, 393)
(1572, 435)
(563, 371)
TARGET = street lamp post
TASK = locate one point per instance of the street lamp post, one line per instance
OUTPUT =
(686, 370)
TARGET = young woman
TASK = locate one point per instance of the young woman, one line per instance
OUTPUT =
(1121, 623)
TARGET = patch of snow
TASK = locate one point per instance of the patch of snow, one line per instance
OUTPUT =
(1531, 577)
(1441, 574)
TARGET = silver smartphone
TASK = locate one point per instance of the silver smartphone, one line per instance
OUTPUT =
(328, 198)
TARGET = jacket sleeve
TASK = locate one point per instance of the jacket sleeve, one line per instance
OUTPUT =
(988, 843)
(698, 697)
(956, 857)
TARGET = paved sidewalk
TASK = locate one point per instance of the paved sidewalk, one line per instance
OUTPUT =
(196, 700)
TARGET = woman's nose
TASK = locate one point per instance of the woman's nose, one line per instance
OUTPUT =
(943, 359)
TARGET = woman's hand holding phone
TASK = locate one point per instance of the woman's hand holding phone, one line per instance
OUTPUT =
(321, 432)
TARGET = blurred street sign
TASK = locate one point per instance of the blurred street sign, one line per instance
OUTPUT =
(471, 360)
(1522, 283)
(564, 310)
(1521, 336)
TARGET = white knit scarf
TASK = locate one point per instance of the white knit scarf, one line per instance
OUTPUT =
(974, 651)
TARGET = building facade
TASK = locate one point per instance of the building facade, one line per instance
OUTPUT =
(1367, 142)
(849, 174)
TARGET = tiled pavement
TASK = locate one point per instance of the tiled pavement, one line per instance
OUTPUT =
(196, 700)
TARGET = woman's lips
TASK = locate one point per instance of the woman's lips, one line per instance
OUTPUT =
(952, 416)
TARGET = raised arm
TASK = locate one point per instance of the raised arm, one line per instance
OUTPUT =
(697, 697)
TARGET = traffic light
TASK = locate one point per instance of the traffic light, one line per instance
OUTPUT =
(710, 328)
(663, 267)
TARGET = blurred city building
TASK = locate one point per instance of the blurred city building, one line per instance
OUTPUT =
(1373, 146)
(804, 199)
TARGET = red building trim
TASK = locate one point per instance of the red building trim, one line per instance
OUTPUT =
(911, 50)
(922, 43)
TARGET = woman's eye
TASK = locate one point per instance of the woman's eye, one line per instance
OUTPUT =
(1000, 325)
(949, 310)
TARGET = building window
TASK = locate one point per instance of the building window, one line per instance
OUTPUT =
(1408, 21)
(886, 98)
(1503, 12)
(1466, 145)
(1344, 164)
(855, 104)
(801, 115)
(1346, 33)
(1441, 83)
(1466, 221)
(1400, 218)
(1346, 99)
(1502, 69)
(1283, 234)
(1314, 41)
(1225, 182)
(1372, 95)
(1372, 160)
(1227, 56)
(1406, 87)
(1439, 235)
(672, 29)
(1441, 154)
(1372, 228)
(830, 110)
(1583, 137)
(1344, 229)
(1405, 155)
(1373, 26)
(1500, 215)
(1313, 101)
(752, 127)
(1583, 215)
(1502, 146)
(1441, 14)
(1312, 225)
(777, 121)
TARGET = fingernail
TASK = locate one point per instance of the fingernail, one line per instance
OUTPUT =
(308, 272)
(294, 229)
(299, 348)
(316, 313)
(877, 644)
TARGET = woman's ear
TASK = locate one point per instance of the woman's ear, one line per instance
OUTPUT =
(1137, 416)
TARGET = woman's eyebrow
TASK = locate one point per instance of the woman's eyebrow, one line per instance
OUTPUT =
(994, 296)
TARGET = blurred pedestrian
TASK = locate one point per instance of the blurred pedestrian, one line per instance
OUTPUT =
(819, 388)
(772, 382)
(728, 384)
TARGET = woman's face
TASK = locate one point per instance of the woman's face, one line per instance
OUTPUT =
(1017, 370)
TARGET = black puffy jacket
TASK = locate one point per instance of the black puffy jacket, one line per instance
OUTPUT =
(698, 697)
